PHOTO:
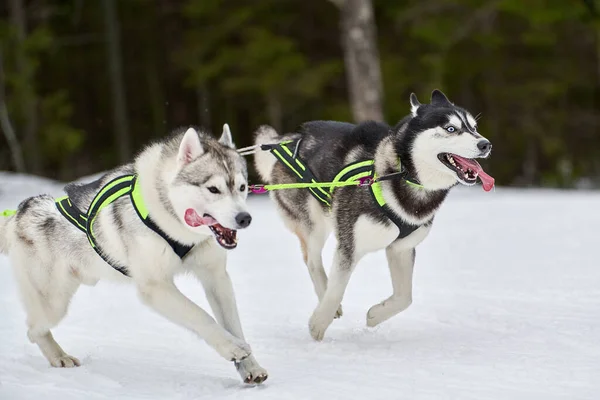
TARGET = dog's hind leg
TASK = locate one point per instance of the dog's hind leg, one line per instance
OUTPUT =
(210, 269)
(46, 292)
(339, 276)
(312, 240)
(401, 262)
(312, 237)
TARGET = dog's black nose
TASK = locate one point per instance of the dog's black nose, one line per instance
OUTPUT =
(243, 219)
(484, 145)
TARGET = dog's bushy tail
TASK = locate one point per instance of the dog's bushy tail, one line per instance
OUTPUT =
(4, 220)
(264, 160)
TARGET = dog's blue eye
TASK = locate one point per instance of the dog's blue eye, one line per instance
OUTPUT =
(242, 188)
(451, 129)
(214, 190)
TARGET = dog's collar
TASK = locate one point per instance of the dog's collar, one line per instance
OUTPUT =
(142, 211)
(403, 174)
(366, 170)
(411, 180)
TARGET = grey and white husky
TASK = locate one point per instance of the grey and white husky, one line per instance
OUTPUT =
(176, 208)
(429, 152)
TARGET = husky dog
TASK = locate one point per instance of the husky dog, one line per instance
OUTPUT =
(191, 189)
(430, 150)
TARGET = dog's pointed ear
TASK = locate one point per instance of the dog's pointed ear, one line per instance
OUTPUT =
(226, 139)
(414, 104)
(190, 147)
(439, 98)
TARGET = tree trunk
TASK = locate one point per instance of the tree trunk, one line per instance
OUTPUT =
(26, 91)
(530, 162)
(6, 125)
(529, 167)
(113, 52)
(597, 31)
(361, 58)
(598, 52)
(491, 80)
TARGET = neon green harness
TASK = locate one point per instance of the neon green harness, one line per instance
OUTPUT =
(8, 213)
(360, 173)
(121, 186)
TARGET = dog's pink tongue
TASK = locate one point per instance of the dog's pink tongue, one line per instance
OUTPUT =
(193, 219)
(486, 180)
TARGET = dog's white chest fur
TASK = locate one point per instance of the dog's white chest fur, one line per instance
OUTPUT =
(370, 235)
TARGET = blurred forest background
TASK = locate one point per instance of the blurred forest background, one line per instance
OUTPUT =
(85, 84)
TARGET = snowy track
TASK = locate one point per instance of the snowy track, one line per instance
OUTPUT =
(506, 306)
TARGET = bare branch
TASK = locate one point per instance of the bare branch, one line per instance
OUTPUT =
(27, 99)
(9, 133)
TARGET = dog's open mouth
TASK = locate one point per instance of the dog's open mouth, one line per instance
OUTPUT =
(226, 237)
(467, 170)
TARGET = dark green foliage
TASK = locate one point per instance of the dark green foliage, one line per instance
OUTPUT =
(531, 68)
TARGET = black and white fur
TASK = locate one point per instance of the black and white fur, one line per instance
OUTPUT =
(51, 258)
(357, 221)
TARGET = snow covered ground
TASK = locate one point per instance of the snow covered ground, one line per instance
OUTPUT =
(506, 306)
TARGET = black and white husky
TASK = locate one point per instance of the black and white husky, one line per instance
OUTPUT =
(174, 209)
(429, 151)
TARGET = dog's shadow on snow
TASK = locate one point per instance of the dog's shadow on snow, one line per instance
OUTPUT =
(124, 378)
(164, 377)
(398, 340)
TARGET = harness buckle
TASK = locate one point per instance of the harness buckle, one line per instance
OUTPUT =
(258, 189)
(366, 181)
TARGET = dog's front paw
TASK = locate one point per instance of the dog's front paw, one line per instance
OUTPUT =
(339, 312)
(386, 309)
(65, 361)
(251, 372)
(233, 349)
(317, 325)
